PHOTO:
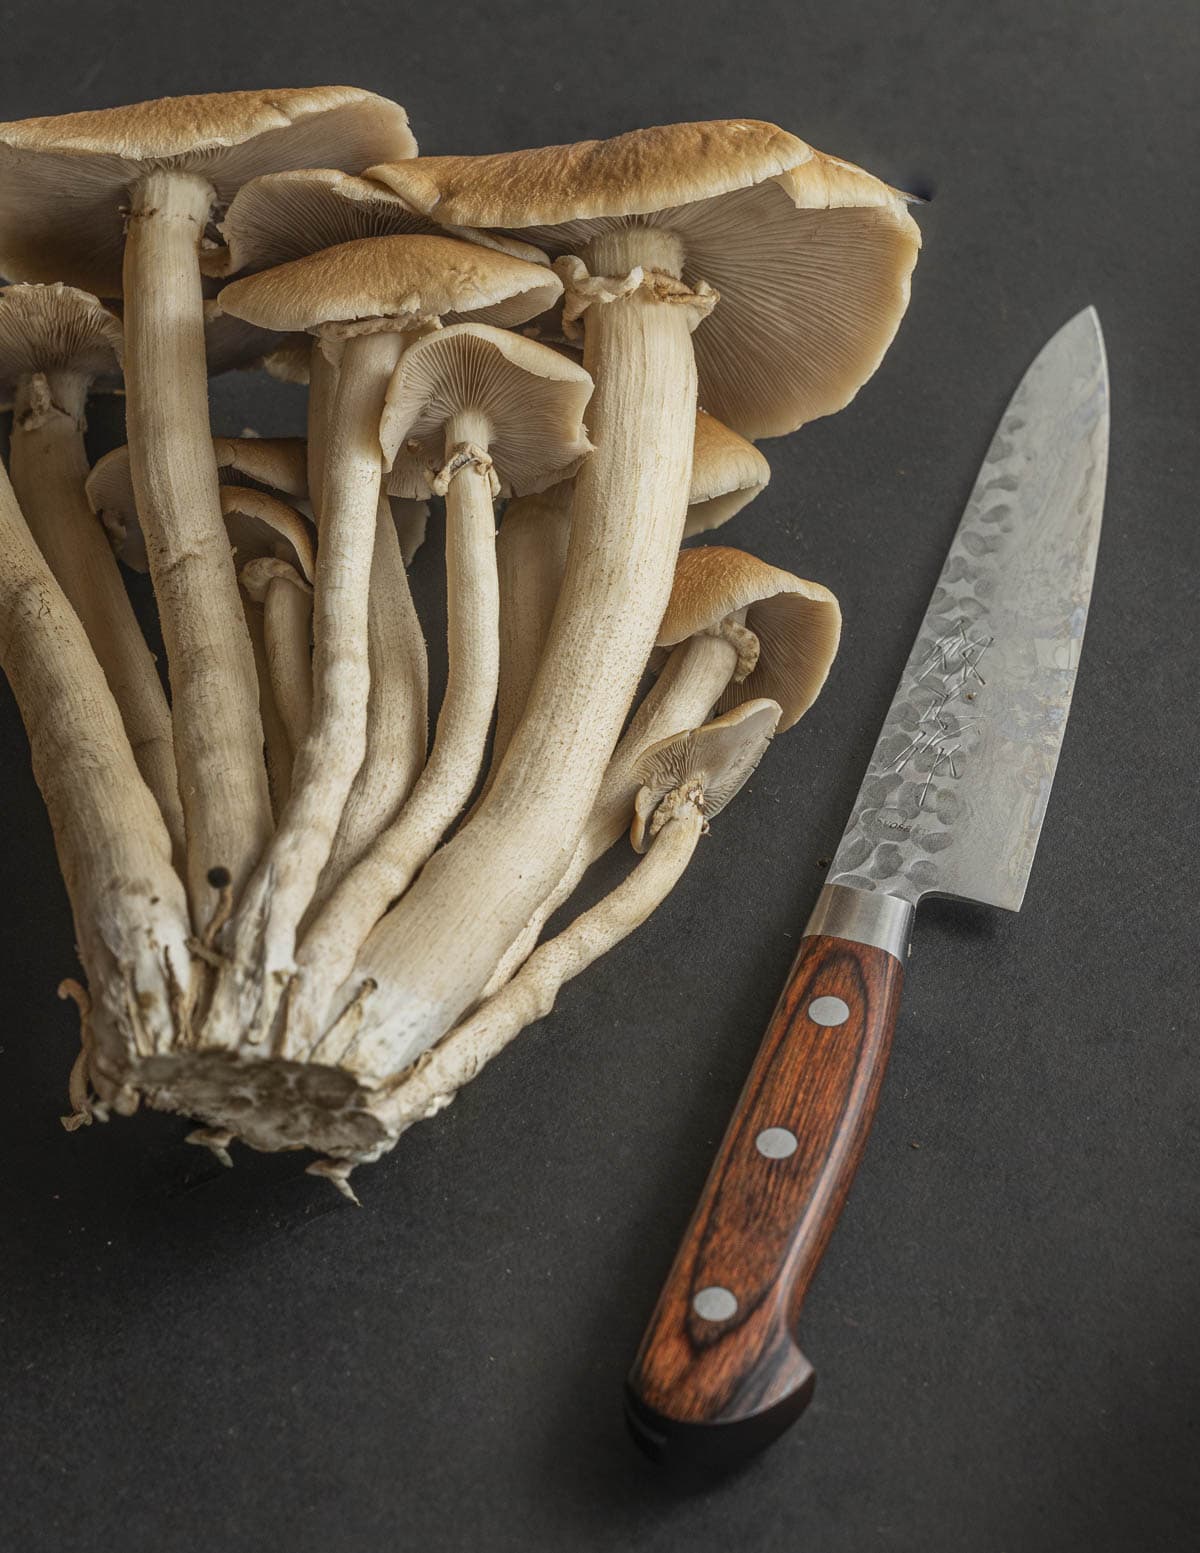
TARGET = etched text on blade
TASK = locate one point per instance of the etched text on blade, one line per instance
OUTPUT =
(954, 797)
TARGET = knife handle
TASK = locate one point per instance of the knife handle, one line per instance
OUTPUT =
(719, 1375)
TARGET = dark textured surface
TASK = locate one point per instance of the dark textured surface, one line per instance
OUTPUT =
(1005, 1328)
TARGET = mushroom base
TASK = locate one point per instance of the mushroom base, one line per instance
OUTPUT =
(269, 1103)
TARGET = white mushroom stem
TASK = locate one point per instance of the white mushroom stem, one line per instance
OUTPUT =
(445, 785)
(49, 468)
(277, 746)
(128, 904)
(322, 388)
(531, 556)
(688, 687)
(397, 708)
(434, 952)
(217, 732)
(287, 628)
(263, 934)
(432, 1083)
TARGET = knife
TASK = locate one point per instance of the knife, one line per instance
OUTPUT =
(952, 805)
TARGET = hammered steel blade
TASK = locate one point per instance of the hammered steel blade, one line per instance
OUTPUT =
(954, 797)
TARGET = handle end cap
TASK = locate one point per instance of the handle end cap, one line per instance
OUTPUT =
(719, 1444)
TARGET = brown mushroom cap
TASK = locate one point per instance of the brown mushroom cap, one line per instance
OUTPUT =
(413, 279)
(277, 463)
(798, 624)
(707, 766)
(283, 216)
(64, 180)
(531, 397)
(810, 255)
(53, 329)
(259, 524)
(640, 173)
(727, 473)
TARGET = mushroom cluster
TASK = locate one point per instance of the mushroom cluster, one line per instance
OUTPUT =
(302, 923)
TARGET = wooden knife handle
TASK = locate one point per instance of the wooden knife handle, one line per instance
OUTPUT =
(718, 1374)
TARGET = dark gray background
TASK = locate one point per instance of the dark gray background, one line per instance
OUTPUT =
(1006, 1327)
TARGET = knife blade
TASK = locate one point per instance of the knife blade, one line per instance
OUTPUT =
(952, 805)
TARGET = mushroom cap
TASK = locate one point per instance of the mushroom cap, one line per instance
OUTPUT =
(636, 174)
(727, 473)
(531, 397)
(716, 759)
(811, 256)
(283, 216)
(259, 524)
(278, 463)
(230, 344)
(411, 518)
(798, 624)
(64, 180)
(55, 328)
(415, 278)
(257, 575)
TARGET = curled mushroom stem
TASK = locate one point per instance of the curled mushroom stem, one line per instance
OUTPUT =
(128, 904)
(435, 950)
(397, 709)
(263, 933)
(287, 626)
(49, 468)
(276, 744)
(530, 995)
(444, 786)
(215, 718)
(689, 685)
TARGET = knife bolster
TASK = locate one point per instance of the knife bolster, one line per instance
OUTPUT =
(863, 917)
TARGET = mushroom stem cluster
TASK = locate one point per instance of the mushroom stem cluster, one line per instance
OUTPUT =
(300, 923)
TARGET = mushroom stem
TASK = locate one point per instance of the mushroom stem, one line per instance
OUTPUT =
(433, 953)
(276, 744)
(688, 687)
(445, 785)
(531, 556)
(263, 933)
(322, 388)
(397, 708)
(287, 624)
(128, 904)
(49, 467)
(529, 996)
(218, 735)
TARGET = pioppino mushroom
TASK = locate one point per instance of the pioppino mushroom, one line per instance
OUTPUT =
(368, 300)
(792, 269)
(54, 340)
(478, 412)
(688, 780)
(120, 201)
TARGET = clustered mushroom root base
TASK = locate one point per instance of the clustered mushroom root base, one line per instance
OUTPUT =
(293, 928)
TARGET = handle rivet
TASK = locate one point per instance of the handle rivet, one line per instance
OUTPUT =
(715, 1303)
(828, 1011)
(775, 1143)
